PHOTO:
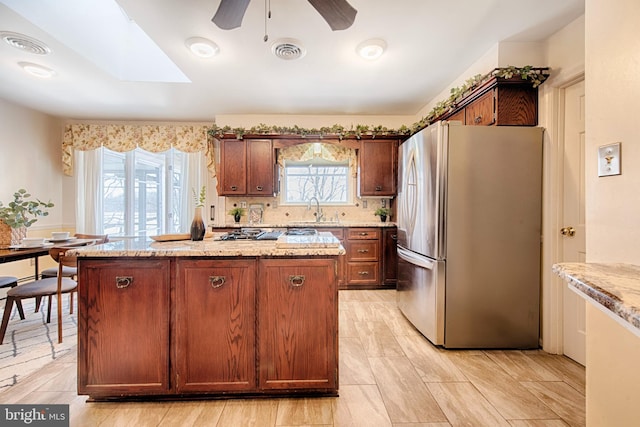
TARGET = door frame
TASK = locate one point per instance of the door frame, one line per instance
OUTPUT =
(551, 102)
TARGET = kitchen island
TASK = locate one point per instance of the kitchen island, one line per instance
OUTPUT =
(612, 292)
(183, 319)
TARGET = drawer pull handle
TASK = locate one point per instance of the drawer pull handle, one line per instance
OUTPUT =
(378, 187)
(363, 251)
(259, 187)
(234, 187)
(363, 273)
(217, 281)
(123, 281)
(364, 233)
(296, 280)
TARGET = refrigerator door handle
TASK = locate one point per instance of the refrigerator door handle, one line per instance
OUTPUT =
(414, 259)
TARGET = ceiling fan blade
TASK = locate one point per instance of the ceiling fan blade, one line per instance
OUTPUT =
(338, 13)
(230, 13)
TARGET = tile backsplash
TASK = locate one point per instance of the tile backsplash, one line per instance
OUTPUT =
(274, 212)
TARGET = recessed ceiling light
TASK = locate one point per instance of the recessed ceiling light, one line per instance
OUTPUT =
(202, 47)
(37, 70)
(371, 49)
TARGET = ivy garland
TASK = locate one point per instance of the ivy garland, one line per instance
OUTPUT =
(537, 76)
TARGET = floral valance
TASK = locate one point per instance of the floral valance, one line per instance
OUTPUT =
(315, 150)
(122, 138)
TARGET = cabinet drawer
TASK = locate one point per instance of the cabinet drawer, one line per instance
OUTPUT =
(363, 272)
(363, 250)
(363, 234)
(481, 111)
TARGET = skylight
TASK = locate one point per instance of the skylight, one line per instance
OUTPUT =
(102, 32)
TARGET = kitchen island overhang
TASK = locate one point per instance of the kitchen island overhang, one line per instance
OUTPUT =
(212, 319)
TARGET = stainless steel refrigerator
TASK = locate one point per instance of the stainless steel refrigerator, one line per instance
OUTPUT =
(469, 234)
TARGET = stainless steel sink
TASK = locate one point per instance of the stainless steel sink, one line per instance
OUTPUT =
(301, 232)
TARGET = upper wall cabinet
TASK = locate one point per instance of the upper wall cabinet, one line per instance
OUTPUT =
(246, 167)
(498, 102)
(377, 175)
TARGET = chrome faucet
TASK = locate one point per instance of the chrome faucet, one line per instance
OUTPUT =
(319, 213)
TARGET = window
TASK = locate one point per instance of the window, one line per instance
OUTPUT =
(142, 193)
(326, 180)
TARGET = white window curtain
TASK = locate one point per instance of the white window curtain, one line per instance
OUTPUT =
(88, 174)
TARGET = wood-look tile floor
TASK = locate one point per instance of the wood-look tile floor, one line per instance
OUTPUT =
(390, 375)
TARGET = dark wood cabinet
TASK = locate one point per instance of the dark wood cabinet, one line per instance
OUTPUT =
(123, 341)
(377, 173)
(246, 167)
(390, 256)
(297, 324)
(498, 102)
(342, 259)
(214, 346)
(363, 257)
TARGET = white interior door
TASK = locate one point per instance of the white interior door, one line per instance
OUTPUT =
(573, 226)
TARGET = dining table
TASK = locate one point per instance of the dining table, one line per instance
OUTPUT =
(20, 253)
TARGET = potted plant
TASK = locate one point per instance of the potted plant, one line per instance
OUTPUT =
(383, 213)
(18, 215)
(198, 229)
(236, 213)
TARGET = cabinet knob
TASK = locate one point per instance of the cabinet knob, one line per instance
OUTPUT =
(478, 119)
(296, 280)
(378, 187)
(259, 187)
(123, 281)
(217, 281)
(234, 187)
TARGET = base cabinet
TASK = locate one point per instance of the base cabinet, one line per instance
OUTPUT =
(297, 325)
(186, 326)
(215, 326)
(123, 327)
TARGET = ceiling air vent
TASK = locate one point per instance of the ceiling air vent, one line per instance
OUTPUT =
(25, 43)
(288, 49)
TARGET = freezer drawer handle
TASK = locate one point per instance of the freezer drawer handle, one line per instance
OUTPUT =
(123, 281)
(217, 281)
(414, 259)
(296, 280)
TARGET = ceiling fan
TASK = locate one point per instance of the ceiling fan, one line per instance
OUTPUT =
(339, 14)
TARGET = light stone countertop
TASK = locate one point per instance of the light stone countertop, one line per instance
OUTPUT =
(322, 244)
(309, 224)
(615, 287)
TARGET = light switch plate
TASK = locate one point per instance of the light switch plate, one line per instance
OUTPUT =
(609, 160)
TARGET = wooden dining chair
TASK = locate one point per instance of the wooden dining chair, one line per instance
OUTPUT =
(71, 272)
(46, 287)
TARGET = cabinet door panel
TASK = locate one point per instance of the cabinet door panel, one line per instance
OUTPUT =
(297, 324)
(261, 168)
(481, 112)
(233, 168)
(124, 342)
(215, 325)
(378, 167)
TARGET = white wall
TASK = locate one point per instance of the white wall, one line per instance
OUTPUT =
(30, 143)
(613, 90)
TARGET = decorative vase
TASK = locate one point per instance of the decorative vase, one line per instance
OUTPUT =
(11, 236)
(236, 217)
(383, 218)
(197, 225)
